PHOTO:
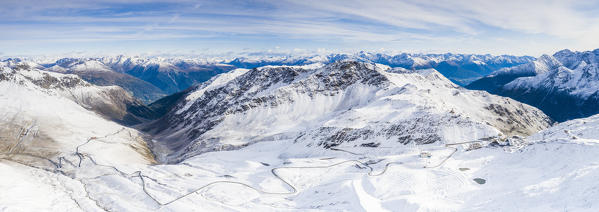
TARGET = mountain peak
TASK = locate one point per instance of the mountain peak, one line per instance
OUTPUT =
(564, 86)
(563, 52)
(330, 103)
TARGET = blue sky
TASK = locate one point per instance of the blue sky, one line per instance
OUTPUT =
(204, 27)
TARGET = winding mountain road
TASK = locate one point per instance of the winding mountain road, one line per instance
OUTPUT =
(292, 188)
(274, 171)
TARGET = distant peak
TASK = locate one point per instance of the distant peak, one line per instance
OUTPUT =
(563, 53)
(547, 59)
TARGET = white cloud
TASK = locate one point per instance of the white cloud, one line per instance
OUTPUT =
(562, 19)
(527, 27)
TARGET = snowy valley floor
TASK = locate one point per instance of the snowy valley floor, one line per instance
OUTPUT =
(558, 175)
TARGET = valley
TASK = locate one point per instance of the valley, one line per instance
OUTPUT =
(369, 137)
(293, 106)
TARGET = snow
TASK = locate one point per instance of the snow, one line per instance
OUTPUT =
(539, 177)
(170, 63)
(214, 83)
(367, 201)
(297, 108)
(553, 170)
(575, 73)
(534, 182)
(61, 124)
(91, 65)
(57, 69)
(582, 131)
(29, 189)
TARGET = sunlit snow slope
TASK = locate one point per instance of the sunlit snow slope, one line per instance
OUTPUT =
(112, 102)
(352, 156)
(44, 118)
(564, 85)
(344, 103)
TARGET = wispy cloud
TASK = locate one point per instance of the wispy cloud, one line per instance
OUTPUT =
(509, 26)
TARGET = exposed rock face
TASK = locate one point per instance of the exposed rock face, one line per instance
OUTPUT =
(343, 102)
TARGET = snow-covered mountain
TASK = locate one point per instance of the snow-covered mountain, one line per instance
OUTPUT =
(98, 73)
(343, 103)
(460, 68)
(546, 172)
(147, 78)
(54, 139)
(46, 117)
(152, 77)
(112, 102)
(171, 75)
(565, 85)
(346, 136)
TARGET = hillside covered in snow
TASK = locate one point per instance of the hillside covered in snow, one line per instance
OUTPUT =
(345, 136)
(459, 68)
(564, 85)
(111, 102)
(150, 78)
(343, 103)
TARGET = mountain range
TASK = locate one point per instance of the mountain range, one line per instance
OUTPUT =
(340, 103)
(564, 85)
(329, 133)
(150, 78)
(459, 68)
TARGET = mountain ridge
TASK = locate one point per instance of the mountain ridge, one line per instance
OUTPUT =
(252, 101)
(563, 85)
(174, 74)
